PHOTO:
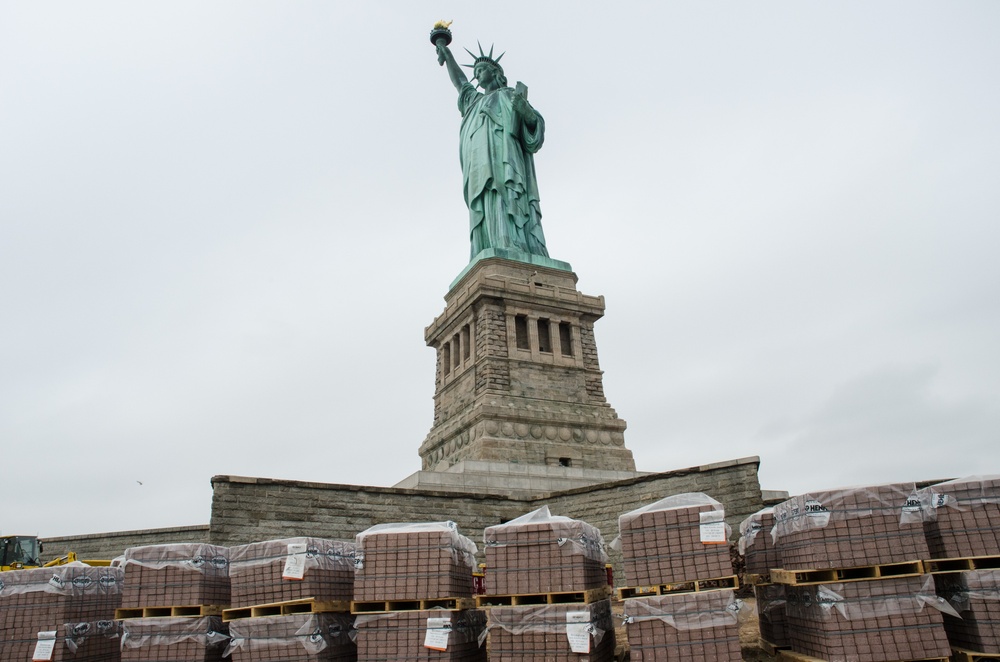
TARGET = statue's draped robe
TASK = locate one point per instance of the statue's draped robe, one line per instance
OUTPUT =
(498, 169)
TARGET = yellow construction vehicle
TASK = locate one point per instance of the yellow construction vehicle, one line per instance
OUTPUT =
(24, 552)
(18, 552)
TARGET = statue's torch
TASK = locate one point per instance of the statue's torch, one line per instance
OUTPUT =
(441, 36)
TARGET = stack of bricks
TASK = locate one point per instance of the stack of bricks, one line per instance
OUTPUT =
(867, 621)
(679, 539)
(761, 555)
(403, 635)
(850, 528)
(975, 595)
(964, 522)
(520, 634)
(536, 554)
(291, 569)
(539, 553)
(414, 562)
(691, 627)
(75, 602)
(319, 637)
(665, 542)
(181, 639)
(175, 575)
(872, 620)
(417, 562)
(963, 517)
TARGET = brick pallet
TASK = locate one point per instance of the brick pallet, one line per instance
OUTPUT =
(693, 627)
(666, 542)
(414, 562)
(541, 553)
(76, 602)
(176, 574)
(291, 569)
(852, 527)
(320, 637)
(403, 635)
(975, 594)
(677, 540)
(963, 517)
(183, 639)
(523, 634)
(867, 621)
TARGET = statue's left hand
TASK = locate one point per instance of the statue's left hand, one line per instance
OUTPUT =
(523, 109)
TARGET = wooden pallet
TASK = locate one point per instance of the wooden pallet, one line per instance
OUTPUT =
(959, 564)
(855, 574)
(192, 611)
(770, 648)
(555, 598)
(301, 606)
(694, 586)
(762, 579)
(383, 606)
(792, 656)
(962, 655)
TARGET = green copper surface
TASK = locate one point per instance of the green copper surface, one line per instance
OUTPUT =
(499, 136)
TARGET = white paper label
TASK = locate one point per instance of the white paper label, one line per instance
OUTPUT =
(295, 564)
(45, 647)
(713, 527)
(438, 631)
(578, 631)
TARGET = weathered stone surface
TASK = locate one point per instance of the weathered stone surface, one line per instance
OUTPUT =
(518, 378)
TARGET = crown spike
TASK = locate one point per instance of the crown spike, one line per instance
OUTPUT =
(500, 56)
(491, 51)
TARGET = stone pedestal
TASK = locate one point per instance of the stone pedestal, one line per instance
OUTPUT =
(518, 379)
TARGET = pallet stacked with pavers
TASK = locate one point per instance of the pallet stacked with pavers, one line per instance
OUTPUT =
(59, 614)
(291, 601)
(962, 526)
(854, 583)
(172, 603)
(679, 603)
(760, 555)
(547, 590)
(413, 595)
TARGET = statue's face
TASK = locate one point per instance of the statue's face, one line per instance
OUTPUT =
(486, 75)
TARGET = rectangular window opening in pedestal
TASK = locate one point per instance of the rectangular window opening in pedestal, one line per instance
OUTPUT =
(521, 331)
(544, 337)
(565, 339)
(466, 342)
(446, 358)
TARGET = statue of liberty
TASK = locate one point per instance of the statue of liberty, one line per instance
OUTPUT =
(499, 136)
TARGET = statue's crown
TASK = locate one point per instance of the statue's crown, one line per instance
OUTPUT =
(484, 58)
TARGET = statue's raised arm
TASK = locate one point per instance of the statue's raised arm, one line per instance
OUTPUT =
(499, 136)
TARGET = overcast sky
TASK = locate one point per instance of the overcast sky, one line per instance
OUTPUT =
(225, 225)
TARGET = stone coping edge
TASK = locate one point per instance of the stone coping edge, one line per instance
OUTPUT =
(133, 532)
(647, 477)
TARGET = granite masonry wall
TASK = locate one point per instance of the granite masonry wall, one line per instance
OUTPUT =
(249, 509)
(110, 545)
